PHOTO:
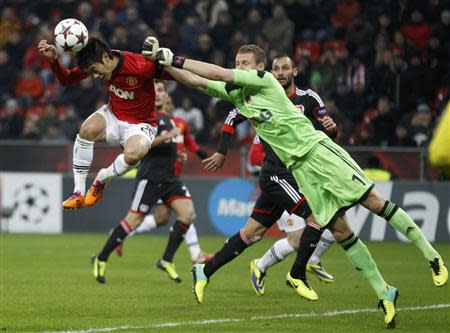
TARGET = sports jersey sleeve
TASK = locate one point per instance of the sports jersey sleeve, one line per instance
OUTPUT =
(233, 119)
(251, 78)
(318, 111)
(257, 154)
(189, 141)
(67, 76)
(217, 89)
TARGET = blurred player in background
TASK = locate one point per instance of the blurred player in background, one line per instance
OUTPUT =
(156, 181)
(439, 148)
(184, 140)
(280, 191)
(129, 118)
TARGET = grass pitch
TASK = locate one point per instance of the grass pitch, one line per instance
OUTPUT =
(47, 286)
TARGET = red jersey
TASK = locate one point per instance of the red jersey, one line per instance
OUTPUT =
(184, 141)
(131, 87)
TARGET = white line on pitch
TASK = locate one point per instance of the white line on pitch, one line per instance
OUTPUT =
(254, 318)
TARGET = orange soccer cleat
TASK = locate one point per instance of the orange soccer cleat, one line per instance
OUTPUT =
(95, 192)
(74, 201)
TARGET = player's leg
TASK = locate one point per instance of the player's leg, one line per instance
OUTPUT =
(403, 223)
(151, 221)
(178, 198)
(233, 247)
(120, 232)
(193, 244)
(136, 140)
(314, 264)
(283, 247)
(359, 256)
(92, 130)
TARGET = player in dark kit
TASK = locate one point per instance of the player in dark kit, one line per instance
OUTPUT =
(155, 180)
(280, 191)
(129, 118)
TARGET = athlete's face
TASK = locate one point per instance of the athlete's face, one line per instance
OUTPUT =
(283, 71)
(103, 71)
(161, 94)
(247, 61)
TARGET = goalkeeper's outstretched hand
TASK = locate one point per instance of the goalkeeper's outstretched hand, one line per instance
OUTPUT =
(150, 47)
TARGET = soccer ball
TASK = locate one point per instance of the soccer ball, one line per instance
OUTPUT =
(71, 35)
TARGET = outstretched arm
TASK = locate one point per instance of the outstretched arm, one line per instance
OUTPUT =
(187, 78)
(209, 71)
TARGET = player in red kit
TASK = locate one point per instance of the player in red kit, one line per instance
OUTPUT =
(129, 117)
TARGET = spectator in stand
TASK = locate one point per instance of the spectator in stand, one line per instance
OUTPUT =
(16, 45)
(384, 123)
(382, 76)
(345, 11)
(437, 61)
(136, 29)
(252, 25)
(205, 48)
(29, 87)
(119, 39)
(417, 31)
(70, 123)
(8, 74)
(420, 128)
(240, 9)
(190, 114)
(191, 28)
(11, 120)
(343, 99)
(279, 30)
(53, 134)
(9, 22)
(360, 36)
(168, 30)
(330, 70)
(402, 137)
(86, 15)
(107, 23)
(222, 30)
(216, 8)
(442, 29)
(415, 83)
(83, 97)
(356, 74)
(30, 130)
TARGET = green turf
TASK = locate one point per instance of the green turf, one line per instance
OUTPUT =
(46, 285)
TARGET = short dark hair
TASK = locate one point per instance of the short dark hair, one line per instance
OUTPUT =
(162, 82)
(284, 55)
(258, 52)
(93, 52)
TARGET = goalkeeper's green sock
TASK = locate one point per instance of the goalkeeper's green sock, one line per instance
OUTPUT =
(402, 222)
(359, 256)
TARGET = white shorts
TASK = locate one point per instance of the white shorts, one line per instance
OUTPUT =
(290, 222)
(118, 131)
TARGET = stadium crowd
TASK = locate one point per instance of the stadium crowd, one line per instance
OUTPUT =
(381, 67)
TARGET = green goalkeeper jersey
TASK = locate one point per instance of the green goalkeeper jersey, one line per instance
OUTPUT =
(261, 99)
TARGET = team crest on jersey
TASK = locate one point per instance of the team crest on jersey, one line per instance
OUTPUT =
(300, 108)
(290, 222)
(131, 81)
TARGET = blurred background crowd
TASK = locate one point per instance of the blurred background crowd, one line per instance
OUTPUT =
(381, 67)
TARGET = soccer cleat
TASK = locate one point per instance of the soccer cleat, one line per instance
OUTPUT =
(99, 268)
(169, 268)
(118, 249)
(200, 282)
(204, 258)
(320, 272)
(439, 272)
(302, 287)
(257, 278)
(95, 192)
(74, 201)
(388, 306)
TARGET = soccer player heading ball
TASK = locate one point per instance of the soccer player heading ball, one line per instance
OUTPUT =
(331, 180)
(129, 117)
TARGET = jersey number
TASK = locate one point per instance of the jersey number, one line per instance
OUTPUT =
(265, 115)
(355, 177)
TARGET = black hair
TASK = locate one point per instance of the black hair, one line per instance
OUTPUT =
(93, 52)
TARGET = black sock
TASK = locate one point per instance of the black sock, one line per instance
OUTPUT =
(176, 236)
(116, 237)
(308, 243)
(233, 247)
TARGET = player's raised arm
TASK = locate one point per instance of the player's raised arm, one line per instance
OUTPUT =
(65, 76)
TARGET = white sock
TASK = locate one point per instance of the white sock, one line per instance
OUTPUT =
(191, 239)
(117, 168)
(148, 224)
(83, 152)
(280, 250)
(324, 244)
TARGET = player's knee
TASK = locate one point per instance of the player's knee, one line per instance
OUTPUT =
(253, 236)
(294, 239)
(187, 216)
(133, 156)
(162, 219)
(89, 131)
(374, 202)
